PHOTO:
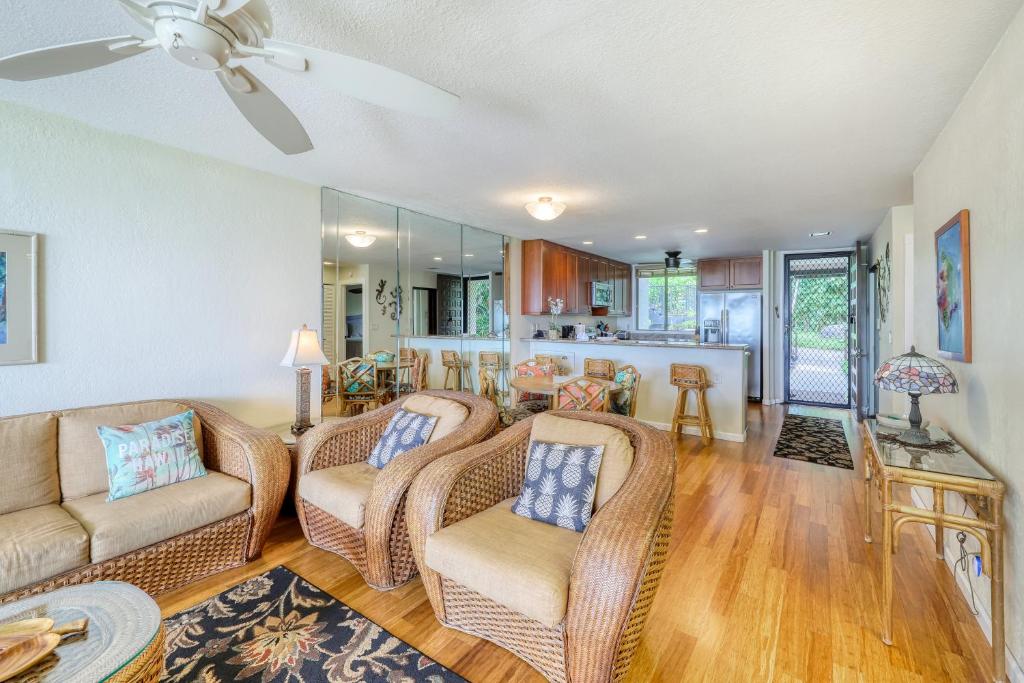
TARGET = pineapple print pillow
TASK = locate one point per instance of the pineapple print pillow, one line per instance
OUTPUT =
(406, 431)
(560, 484)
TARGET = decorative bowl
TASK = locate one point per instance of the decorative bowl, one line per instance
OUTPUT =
(384, 357)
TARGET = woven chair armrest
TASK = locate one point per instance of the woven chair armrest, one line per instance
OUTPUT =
(392, 484)
(460, 485)
(617, 565)
(330, 444)
(257, 456)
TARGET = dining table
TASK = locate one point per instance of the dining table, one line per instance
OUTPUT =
(547, 385)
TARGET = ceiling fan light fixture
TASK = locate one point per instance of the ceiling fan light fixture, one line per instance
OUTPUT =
(360, 240)
(545, 209)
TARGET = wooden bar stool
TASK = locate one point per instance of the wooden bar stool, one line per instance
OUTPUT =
(687, 378)
(457, 372)
(493, 377)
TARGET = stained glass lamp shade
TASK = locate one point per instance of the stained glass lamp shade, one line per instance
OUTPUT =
(915, 374)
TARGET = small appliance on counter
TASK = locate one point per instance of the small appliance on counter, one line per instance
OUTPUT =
(568, 331)
(622, 335)
(581, 332)
(712, 332)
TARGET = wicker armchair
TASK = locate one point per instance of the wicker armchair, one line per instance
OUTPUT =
(380, 549)
(230, 447)
(614, 572)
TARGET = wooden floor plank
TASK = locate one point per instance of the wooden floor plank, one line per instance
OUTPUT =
(768, 579)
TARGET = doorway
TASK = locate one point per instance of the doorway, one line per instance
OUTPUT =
(817, 329)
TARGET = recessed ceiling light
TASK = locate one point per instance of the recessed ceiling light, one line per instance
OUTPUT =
(467, 256)
(701, 231)
(438, 258)
(328, 263)
(640, 237)
(360, 239)
(588, 241)
(824, 233)
(545, 209)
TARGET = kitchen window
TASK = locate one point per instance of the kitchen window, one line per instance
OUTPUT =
(666, 298)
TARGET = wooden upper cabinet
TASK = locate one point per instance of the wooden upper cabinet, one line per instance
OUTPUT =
(724, 273)
(551, 270)
(745, 273)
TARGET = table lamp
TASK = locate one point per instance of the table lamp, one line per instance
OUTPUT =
(915, 374)
(303, 351)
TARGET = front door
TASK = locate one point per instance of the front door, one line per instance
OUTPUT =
(817, 328)
(860, 334)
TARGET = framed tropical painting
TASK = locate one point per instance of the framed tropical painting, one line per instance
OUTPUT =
(18, 318)
(953, 287)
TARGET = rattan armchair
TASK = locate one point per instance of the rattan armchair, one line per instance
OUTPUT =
(380, 550)
(615, 571)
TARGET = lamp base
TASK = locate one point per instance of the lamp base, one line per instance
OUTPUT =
(915, 435)
(302, 422)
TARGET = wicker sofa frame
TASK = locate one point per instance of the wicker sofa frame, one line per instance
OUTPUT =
(615, 572)
(381, 550)
(256, 456)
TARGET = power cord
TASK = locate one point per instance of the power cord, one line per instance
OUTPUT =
(963, 561)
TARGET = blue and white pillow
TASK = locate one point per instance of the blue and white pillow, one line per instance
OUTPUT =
(406, 431)
(561, 481)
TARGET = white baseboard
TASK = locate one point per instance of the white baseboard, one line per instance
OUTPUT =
(1014, 671)
(695, 431)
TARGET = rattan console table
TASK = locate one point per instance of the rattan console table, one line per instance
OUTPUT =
(888, 463)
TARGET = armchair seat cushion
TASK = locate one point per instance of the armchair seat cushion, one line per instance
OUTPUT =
(341, 491)
(517, 562)
(127, 524)
(37, 543)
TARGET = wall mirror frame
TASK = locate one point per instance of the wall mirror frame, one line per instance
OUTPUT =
(409, 301)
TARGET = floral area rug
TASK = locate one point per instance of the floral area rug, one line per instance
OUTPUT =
(820, 440)
(279, 628)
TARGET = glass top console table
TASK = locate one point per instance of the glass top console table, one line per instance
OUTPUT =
(948, 468)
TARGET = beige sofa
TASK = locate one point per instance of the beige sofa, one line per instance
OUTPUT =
(57, 529)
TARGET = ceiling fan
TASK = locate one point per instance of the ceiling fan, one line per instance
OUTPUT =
(212, 35)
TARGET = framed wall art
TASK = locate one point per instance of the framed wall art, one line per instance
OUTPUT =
(19, 337)
(953, 287)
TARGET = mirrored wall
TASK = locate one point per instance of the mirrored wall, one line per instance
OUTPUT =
(409, 302)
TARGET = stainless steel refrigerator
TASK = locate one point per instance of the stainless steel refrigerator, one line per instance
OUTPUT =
(739, 315)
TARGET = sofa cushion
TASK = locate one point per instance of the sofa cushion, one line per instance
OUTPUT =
(405, 431)
(28, 459)
(341, 491)
(147, 456)
(517, 562)
(618, 451)
(450, 413)
(38, 543)
(124, 525)
(80, 454)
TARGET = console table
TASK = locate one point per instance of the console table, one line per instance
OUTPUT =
(888, 463)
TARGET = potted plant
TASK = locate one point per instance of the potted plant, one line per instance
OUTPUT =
(555, 307)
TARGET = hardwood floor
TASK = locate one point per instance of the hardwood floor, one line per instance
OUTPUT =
(768, 579)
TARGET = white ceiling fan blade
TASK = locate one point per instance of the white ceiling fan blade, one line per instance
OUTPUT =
(68, 59)
(267, 114)
(226, 7)
(368, 81)
(140, 12)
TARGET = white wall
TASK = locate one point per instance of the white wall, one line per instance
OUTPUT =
(893, 338)
(977, 163)
(162, 273)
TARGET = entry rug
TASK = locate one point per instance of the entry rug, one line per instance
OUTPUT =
(278, 628)
(819, 440)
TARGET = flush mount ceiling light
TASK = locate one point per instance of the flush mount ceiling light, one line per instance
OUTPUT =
(701, 231)
(467, 256)
(545, 209)
(640, 237)
(825, 233)
(360, 239)
(438, 258)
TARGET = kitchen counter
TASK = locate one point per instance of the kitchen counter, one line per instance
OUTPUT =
(452, 337)
(661, 343)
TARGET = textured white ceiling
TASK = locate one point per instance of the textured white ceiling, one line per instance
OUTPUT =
(762, 119)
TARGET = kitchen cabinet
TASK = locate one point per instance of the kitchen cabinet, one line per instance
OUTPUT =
(552, 270)
(726, 273)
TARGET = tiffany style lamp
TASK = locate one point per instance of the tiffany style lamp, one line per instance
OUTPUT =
(915, 374)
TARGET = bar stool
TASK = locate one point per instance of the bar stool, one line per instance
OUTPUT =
(599, 368)
(694, 377)
(457, 371)
(493, 377)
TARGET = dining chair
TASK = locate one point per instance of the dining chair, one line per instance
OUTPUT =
(599, 368)
(358, 384)
(583, 393)
(548, 359)
(624, 402)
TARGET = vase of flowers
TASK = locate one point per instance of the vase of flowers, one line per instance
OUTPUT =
(555, 307)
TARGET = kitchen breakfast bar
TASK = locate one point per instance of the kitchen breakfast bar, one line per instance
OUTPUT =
(725, 364)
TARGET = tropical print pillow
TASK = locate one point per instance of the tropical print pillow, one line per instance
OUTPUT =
(147, 456)
(561, 480)
(406, 430)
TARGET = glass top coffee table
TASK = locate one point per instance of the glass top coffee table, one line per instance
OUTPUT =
(124, 642)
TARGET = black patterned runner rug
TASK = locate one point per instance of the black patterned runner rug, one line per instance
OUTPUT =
(819, 440)
(278, 628)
